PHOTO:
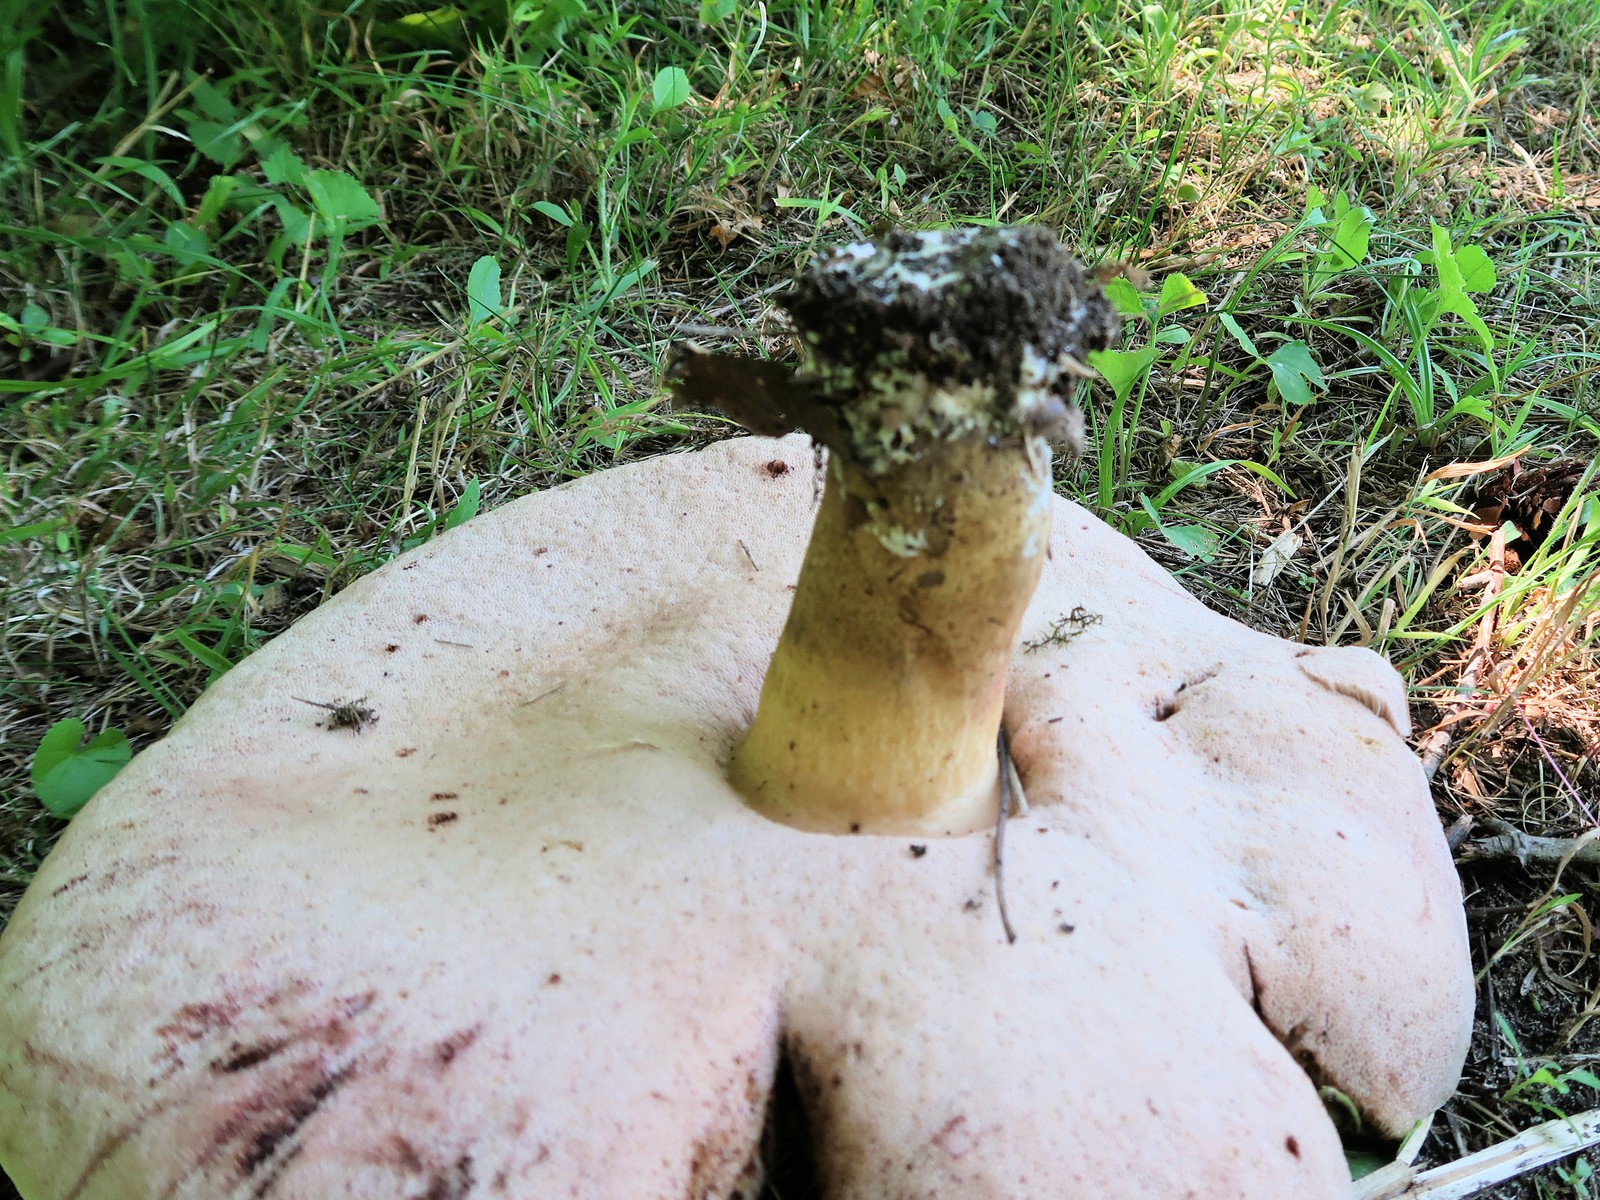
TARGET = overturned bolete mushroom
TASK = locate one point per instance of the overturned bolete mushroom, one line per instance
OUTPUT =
(531, 934)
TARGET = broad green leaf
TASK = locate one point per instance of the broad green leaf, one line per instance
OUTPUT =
(1453, 297)
(437, 27)
(213, 101)
(554, 211)
(341, 201)
(1364, 1162)
(283, 166)
(1232, 326)
(434, 18)
(186, 242)
(1194, 540)
(296, 223)
(465, 508)
(1477, 271)
(222, 144)
(1124, 368)
(35, 325)
(982, 120)
(577, 239)
(215, 199)
(66, 774)
(548, 22)
(1443, 260)
(35, 319)
(1293, 369)
(670, 89)
(483, 292)
(635, 136)
(1349, 239)
(59, 743)
(1124, 297)
(1178, 292)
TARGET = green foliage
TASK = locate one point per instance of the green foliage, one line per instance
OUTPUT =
(67, 773)
(1128, 372)
(485, 303)
(1540, 1087)
(1349, 234)
(670, 89)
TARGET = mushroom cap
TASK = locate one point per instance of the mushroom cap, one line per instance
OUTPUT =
(519, 936)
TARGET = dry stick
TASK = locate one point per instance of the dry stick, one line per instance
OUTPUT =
(165, 102)
(1019, 797)
(1386, 1179)
(1437, 744)
(1507, 841)
(1003, 752)
(1530, 1149)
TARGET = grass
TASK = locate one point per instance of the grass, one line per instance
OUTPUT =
(288, 290)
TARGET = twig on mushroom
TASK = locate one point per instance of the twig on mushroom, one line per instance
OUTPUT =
(1018, 796)
(1007, 773)
(353, 715)
(1478, 1172)
(1062, 630)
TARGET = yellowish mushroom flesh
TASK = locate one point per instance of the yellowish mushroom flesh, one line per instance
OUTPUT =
(881, 704)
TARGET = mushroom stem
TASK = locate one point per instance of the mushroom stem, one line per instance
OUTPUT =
(936, 365)
(879, 710)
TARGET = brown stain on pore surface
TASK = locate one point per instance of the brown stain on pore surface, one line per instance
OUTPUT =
(259, 1069)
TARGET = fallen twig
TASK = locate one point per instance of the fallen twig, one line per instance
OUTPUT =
(1507, 841)
(1007, 772)
(1475, 1173)
(1399, 1173)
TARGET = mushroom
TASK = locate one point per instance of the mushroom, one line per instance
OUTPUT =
(598, 887)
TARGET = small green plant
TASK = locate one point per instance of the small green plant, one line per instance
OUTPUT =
(1534, 1085)
(464, 509)
(67, 773)
(1348, 230)
(1128, 374)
